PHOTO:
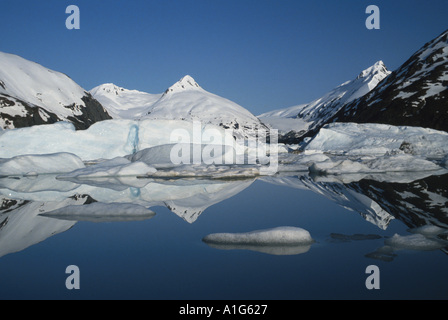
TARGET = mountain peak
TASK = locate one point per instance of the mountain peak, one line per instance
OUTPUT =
(378, 68)
(109, 88)
(184, 84)
(415, 94)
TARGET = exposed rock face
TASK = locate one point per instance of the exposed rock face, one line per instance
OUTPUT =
(416, 94)
(31, 94)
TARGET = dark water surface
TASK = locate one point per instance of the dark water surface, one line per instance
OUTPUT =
(164, 257)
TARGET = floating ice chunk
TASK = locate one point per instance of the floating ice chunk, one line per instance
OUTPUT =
(39, 164)
(330, 166)
(378, 139)
(102, 212)
(104, 139)
(209, 172)
(275, 236)
(414, 242)
(395, 163)
(171, 155)
(428, 230)
(195, 160)
(279, 241)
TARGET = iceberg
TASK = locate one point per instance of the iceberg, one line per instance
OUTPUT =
(274, 236)
(378, 139)
(376, 148)
(172, 155)
(40, 164)
(105, 139)
(394, 163)
(414, 242)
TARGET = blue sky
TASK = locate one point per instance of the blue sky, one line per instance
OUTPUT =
(262, 54)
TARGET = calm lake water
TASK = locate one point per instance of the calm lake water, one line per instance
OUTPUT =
(352, 220)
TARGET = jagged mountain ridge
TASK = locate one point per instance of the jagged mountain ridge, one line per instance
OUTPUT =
(416, 94)
(31, 94)
(315, 114)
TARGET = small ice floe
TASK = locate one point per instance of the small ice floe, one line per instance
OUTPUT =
(275, 241)
(423, 238)
(414, 242)
(102, 212)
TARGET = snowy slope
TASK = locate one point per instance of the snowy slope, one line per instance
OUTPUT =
(122, 103)
(316, 113)
(416, 94)
(184, 100)
(32, 94)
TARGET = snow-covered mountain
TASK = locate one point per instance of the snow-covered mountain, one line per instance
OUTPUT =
(122, 103)
(184, 100)
(316, 113)
(31, 94)
(416, 94)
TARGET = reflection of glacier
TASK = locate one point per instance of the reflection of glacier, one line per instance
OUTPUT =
(418, 199)
(35, 208)
(188, 198)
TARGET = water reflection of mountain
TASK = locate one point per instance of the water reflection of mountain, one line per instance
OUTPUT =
(416, 199)
(26, 203)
